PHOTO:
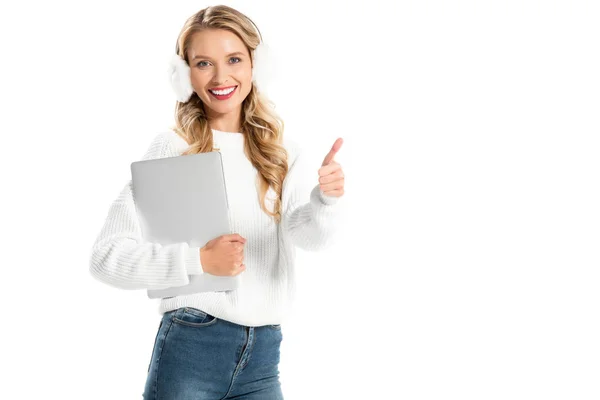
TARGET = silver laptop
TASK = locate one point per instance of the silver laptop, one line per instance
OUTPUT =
(183, 199)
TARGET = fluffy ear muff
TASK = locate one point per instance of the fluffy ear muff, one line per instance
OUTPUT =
(181, 81)
(263, 68)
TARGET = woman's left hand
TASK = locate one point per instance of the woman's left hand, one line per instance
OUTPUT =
(331, 176)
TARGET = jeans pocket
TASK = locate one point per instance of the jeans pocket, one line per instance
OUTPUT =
(276, 327)
(193, 317)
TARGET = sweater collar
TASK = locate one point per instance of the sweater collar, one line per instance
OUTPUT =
(222, 138)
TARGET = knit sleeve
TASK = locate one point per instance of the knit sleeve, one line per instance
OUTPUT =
(119, 256)
(311, 219)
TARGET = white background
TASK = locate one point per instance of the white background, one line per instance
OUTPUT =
(468, 268)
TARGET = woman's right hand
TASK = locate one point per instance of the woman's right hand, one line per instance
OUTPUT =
(224, 255)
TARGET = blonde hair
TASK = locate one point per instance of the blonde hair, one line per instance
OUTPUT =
(261, 126)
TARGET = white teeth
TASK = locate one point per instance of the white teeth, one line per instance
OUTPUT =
(223, 92)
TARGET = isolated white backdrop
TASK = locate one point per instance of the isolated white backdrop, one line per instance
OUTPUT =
(468, 266)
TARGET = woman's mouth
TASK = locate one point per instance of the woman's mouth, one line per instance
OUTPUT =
(223, 94)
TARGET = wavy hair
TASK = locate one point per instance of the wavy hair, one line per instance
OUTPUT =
(262, 127)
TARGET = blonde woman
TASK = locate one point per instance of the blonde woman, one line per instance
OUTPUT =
(225, 345)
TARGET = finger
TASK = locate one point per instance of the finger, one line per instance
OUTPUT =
(334, 149)
(332, 186)
(234, 237)
(237, 264)
(334, 193)
(241, 269)
(329, 169)
(337, 175)
(237, 246)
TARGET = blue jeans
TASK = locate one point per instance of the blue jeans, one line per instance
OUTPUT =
(198, 356)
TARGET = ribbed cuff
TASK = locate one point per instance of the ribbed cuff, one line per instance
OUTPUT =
(192, 262)
(323, 198)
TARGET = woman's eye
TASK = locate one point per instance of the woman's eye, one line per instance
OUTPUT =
(232, 58)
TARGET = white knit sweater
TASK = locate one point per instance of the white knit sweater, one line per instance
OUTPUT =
(120, 257)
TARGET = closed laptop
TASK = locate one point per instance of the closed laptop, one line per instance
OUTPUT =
(183, 199)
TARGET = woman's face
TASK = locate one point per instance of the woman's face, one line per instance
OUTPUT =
(220, 60)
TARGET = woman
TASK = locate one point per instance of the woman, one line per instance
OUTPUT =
(224, 345)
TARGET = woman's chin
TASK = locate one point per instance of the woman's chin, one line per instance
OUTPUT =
(224, 108)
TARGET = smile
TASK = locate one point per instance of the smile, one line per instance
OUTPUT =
(223, 94)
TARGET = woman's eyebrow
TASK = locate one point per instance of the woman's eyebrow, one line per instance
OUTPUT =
(228, 55)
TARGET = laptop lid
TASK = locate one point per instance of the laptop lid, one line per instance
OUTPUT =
(181, 199)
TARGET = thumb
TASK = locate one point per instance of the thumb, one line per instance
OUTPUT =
(234, 237)
(334, 149)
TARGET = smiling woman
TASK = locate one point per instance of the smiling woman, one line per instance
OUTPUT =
(225, 345)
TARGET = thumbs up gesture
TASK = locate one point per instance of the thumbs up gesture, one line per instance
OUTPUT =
(331, 176)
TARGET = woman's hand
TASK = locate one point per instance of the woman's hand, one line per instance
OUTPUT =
(224, 255)
(331, 176)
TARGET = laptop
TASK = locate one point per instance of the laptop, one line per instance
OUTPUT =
(183, 199)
